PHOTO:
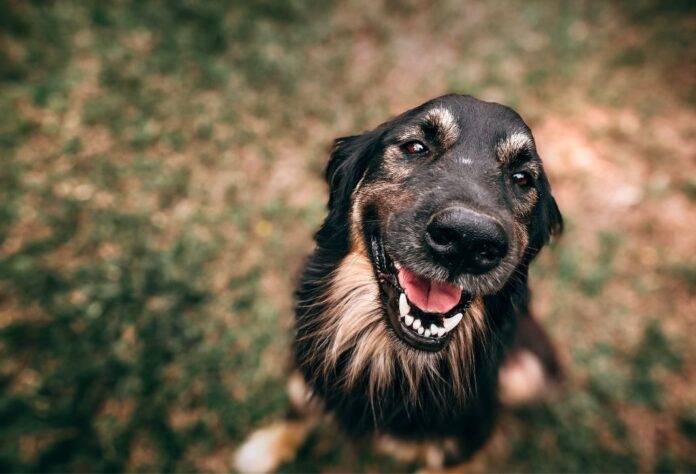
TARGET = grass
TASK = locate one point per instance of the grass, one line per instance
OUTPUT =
(161, 179)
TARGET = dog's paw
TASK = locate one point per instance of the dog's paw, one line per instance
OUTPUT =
(523, 380)
(269, 447)
(437, 456)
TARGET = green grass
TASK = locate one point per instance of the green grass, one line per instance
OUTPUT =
(160, 180)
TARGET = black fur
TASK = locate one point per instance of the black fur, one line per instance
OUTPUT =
(438, 410)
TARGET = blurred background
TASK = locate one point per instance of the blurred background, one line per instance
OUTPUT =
(161, 178)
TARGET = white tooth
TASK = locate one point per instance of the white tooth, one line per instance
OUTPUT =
(420, 330)
(427, 333)
(403, 305)
(451, 323)
(441, 332)
(408, 319)
(433, 330)
(417, 324)
(397, 265)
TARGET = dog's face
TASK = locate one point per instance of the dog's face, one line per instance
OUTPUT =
(448, 201)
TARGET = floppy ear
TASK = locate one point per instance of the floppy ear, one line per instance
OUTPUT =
(554, 218)
(546, 221)
(348, 162)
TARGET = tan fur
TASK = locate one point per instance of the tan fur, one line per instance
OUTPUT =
(401, 450)
(442, 120)
(447, 128)
(357, 242)
(430, 453)
(354, 319)
(460, 348)
(269, 447)
(409, 132)
(388, 196)
(522, 237)
(512, 145)
(301, 396)
(522, 379)
(523, 207)
(393, 159)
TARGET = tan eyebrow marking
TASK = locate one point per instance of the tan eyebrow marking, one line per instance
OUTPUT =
(412, 132)
(445, 124)
(512, 145)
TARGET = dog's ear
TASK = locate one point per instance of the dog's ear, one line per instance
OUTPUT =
(554, 219)
(547, 220)
(349, 159)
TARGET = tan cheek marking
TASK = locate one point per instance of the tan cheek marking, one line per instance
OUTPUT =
(522, 237)
(387, 197)
(394, 164)
(356, 235)
(523, 207)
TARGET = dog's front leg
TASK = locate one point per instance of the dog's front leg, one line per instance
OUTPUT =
(269, 447)
(531, 370)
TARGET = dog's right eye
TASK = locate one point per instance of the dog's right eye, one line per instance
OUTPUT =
(414, 148)
(522, 179)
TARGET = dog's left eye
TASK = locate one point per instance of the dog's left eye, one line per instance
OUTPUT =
(522, 179)
(414, 148)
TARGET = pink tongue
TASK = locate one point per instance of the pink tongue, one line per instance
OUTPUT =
(429, 295)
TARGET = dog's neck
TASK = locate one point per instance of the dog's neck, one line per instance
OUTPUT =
(348, 353)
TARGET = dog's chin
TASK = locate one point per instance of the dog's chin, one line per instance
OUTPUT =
(418, 327)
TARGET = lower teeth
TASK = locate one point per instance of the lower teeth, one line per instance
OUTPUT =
(416, 325)
(433, 331)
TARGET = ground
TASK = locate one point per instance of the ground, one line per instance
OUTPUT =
(162, 176)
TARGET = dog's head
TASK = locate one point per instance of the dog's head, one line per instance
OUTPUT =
(449, 202)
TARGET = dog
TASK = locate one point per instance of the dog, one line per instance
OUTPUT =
(412, 316)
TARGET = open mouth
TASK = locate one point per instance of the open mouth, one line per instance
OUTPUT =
(423, 313)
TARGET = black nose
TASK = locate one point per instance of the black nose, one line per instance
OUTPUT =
(465, 241)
